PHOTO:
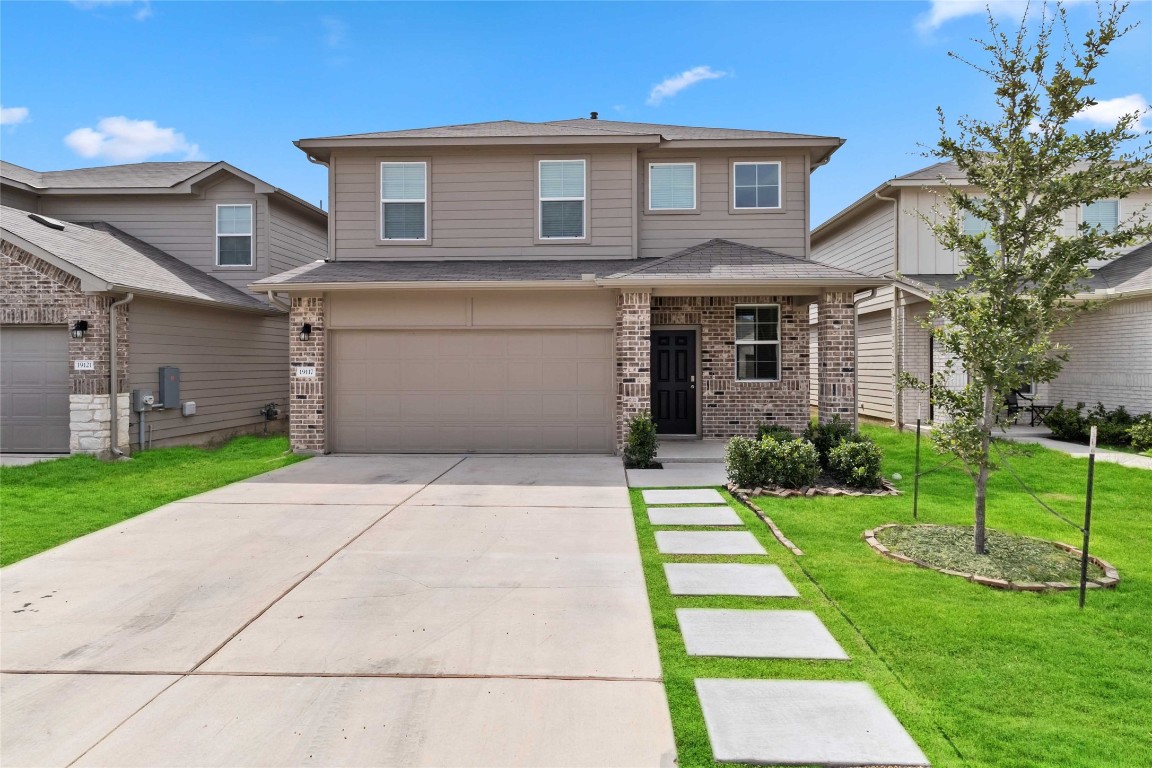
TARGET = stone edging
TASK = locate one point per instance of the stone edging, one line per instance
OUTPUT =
(886, 489)
(742, 497)
(1108, 581)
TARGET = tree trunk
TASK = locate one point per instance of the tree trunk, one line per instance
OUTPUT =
(978, 533)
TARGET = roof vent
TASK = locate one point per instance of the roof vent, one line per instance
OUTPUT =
(595, 115)
(47, 222)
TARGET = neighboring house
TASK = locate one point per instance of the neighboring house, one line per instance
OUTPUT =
(168, 250)
(884, 233)
(514, 286)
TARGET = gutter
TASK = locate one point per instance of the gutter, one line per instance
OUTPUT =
(113, 378)
(277, 302)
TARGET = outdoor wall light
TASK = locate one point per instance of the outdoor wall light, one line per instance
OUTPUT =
(306, 332)
(79, 328)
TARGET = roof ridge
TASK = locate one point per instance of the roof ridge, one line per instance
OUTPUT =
(671, 257)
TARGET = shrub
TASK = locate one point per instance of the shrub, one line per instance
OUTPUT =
(1111, 426)
(774, 431)
(827, 436)
(856, 462)
(742, 461)
(1067, 423)
(640, 446)
(1140, 433)
(790, 463)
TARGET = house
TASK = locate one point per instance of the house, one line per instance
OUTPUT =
(513, 286)
(885, 233)
(140, 268)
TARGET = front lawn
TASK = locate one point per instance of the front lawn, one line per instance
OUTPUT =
(978, 677)
(46, 504)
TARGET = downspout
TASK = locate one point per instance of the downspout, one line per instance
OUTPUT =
(113, 378)
(856, 357)
(277, 302)
(897, 319)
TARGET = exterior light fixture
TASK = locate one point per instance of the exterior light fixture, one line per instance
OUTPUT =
(306, 332)
(79, 328)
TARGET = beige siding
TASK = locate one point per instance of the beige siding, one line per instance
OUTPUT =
(231, 364)
(874, 373)
(867, 244)
(1110, 358)
(294, 238)
(18, 198)
(483, 204)
(785, 231)
(488, 309)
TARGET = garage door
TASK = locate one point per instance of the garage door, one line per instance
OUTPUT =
(500, 391)
(34, 389)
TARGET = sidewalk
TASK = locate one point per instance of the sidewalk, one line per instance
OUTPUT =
(1038, 435)
(687, 464)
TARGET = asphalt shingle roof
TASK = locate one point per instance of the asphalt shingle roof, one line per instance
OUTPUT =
(149, 175)
(118, 258)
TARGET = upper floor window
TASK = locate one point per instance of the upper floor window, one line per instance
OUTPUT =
(404, 201)
(756, 185)
(1102, 213)
(562, 198)
(758, 342)
(672, 186)
(974, 225)
(234, 235)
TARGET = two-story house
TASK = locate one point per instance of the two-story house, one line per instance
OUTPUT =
(513, 286)
(138, 268)
(885, 233)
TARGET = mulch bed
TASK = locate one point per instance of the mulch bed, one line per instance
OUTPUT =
(825, 486)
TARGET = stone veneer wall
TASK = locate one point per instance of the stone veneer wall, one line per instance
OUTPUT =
(836, 340)
(730, 407)
(307, 418)
(34, 292)
(633, 359)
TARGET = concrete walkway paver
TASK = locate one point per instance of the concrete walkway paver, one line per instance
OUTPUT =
(677, 475)
(683, 496)
(752, 634)
(728, 579)
(724, 515)
(708, 543)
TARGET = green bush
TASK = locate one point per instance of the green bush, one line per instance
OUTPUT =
(774, 431)
(790, 463)
(640, 446)
(1067, 423)
(1140, 433)
(1111, 426)
(742, 461)
(827, 436)
(856, 463)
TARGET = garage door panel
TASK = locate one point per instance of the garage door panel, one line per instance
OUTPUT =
(34, 389)
(492, 391)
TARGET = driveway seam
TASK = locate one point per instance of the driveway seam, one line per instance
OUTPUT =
(349, 675)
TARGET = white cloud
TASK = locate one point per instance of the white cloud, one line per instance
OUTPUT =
(125, 140)
(673, 85)
(1104, 114)
(13, 115)
(141, 9)
(945, 10)
(335, 31)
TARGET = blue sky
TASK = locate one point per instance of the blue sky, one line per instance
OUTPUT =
(240, 81)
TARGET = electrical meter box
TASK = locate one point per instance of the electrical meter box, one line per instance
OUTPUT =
(169, 394)
(142, 400)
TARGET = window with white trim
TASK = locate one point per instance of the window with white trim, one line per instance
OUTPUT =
(1102, 213)
(403, 201)
(756, 185)
(562, 198)
(672, 186)
(234, 235)
(974, 225)
(757, 342)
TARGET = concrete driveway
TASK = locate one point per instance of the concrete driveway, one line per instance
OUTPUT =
(351, 611)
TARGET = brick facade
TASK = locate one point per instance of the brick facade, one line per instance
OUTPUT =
(633, 359)
(307, 417)
(836, 341)
(34, 292)
(729, 407)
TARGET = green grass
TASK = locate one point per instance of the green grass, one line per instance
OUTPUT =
(46, 504)
(979, 677)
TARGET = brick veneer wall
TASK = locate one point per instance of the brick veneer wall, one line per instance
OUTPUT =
(730, 407)
(307, 417)
(633, 359)
(836, 340)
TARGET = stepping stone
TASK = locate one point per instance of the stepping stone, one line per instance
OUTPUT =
(694, 516)
(757, 634)
(728, 579)
(684, 496)
(708, 543)
(806, 722)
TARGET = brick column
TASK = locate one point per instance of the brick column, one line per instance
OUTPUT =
(633, 359)
(836, 340)
(306, 411)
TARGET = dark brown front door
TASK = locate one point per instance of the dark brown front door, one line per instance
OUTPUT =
(674, 382)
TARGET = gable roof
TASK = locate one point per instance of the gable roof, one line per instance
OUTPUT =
(108, 259)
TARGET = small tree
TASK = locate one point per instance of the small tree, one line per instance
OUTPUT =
(1022, 271)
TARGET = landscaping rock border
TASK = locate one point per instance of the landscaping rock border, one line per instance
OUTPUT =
(1108, 581)
(886, 489)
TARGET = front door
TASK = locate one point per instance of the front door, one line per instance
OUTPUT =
(674, 382)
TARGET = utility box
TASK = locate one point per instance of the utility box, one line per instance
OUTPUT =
(169, 394)
(142, 400)
(188, 408)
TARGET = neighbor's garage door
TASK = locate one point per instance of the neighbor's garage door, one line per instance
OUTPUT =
(471, 390)
(34, 389)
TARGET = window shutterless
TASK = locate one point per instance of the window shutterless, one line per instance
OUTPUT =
(404, 201)
(672, 186)
(562, 198)
(757, 342)
(1102, 213)
(756, 185)
(234, 235)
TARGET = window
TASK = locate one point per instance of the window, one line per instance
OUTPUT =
(672, 187)
(404, 201)
(1102, 213)
(974, 225)
(755, 185)
(234, 235)
(758, 343)
(561, 199)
